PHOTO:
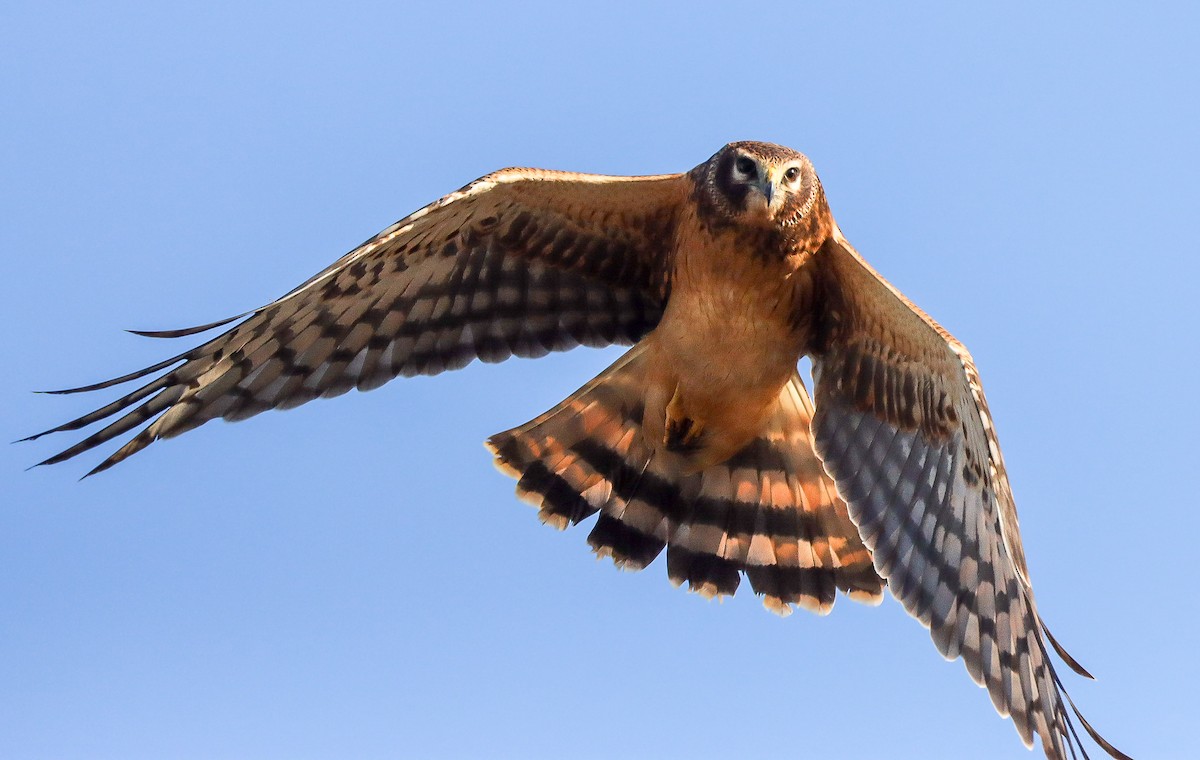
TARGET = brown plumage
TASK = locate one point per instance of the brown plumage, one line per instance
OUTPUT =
(702, 439)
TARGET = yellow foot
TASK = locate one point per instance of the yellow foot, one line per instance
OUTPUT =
(682, 432)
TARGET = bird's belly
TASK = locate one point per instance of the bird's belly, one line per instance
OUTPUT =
(717, 366)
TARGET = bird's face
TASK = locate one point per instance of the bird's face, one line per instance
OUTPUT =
(762, 184)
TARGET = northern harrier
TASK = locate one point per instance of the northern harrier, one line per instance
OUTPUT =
(702, 438)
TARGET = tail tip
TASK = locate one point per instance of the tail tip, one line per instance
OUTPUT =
(777, 606)
(620, 561)
(863, 596)
(499, 461)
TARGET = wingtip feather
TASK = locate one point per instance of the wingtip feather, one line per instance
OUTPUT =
(96, 470)
(183, 332)
(1071, 662)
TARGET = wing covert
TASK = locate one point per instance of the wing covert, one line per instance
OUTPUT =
(518, 263)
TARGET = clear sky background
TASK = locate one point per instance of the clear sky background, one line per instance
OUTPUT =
(353, 579)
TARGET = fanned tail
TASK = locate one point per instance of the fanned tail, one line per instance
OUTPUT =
(769, 512)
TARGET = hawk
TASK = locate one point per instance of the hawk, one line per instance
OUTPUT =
(702, 439)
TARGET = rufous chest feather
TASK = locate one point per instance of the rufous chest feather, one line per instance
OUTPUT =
(732, 312)
(727, 343)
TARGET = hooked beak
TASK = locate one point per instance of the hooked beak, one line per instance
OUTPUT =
(768, 189)
(765, 184)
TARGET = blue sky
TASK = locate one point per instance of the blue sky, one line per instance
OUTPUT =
(353, 579)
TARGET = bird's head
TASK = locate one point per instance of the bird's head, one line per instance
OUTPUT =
(759, 184)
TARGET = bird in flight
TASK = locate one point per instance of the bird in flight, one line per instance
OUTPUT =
(702, 439)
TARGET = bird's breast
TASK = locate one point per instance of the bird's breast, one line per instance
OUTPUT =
(728, 334)
(727, 343)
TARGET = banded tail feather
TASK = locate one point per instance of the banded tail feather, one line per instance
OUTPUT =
(769, 512)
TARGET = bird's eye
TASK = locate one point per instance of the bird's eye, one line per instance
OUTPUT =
(792, 174)
(745, 166)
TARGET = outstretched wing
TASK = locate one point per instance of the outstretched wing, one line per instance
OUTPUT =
(903, 427)
(520, 262)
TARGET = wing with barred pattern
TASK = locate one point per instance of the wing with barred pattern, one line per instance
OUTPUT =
(903, 427)
(520, 262)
